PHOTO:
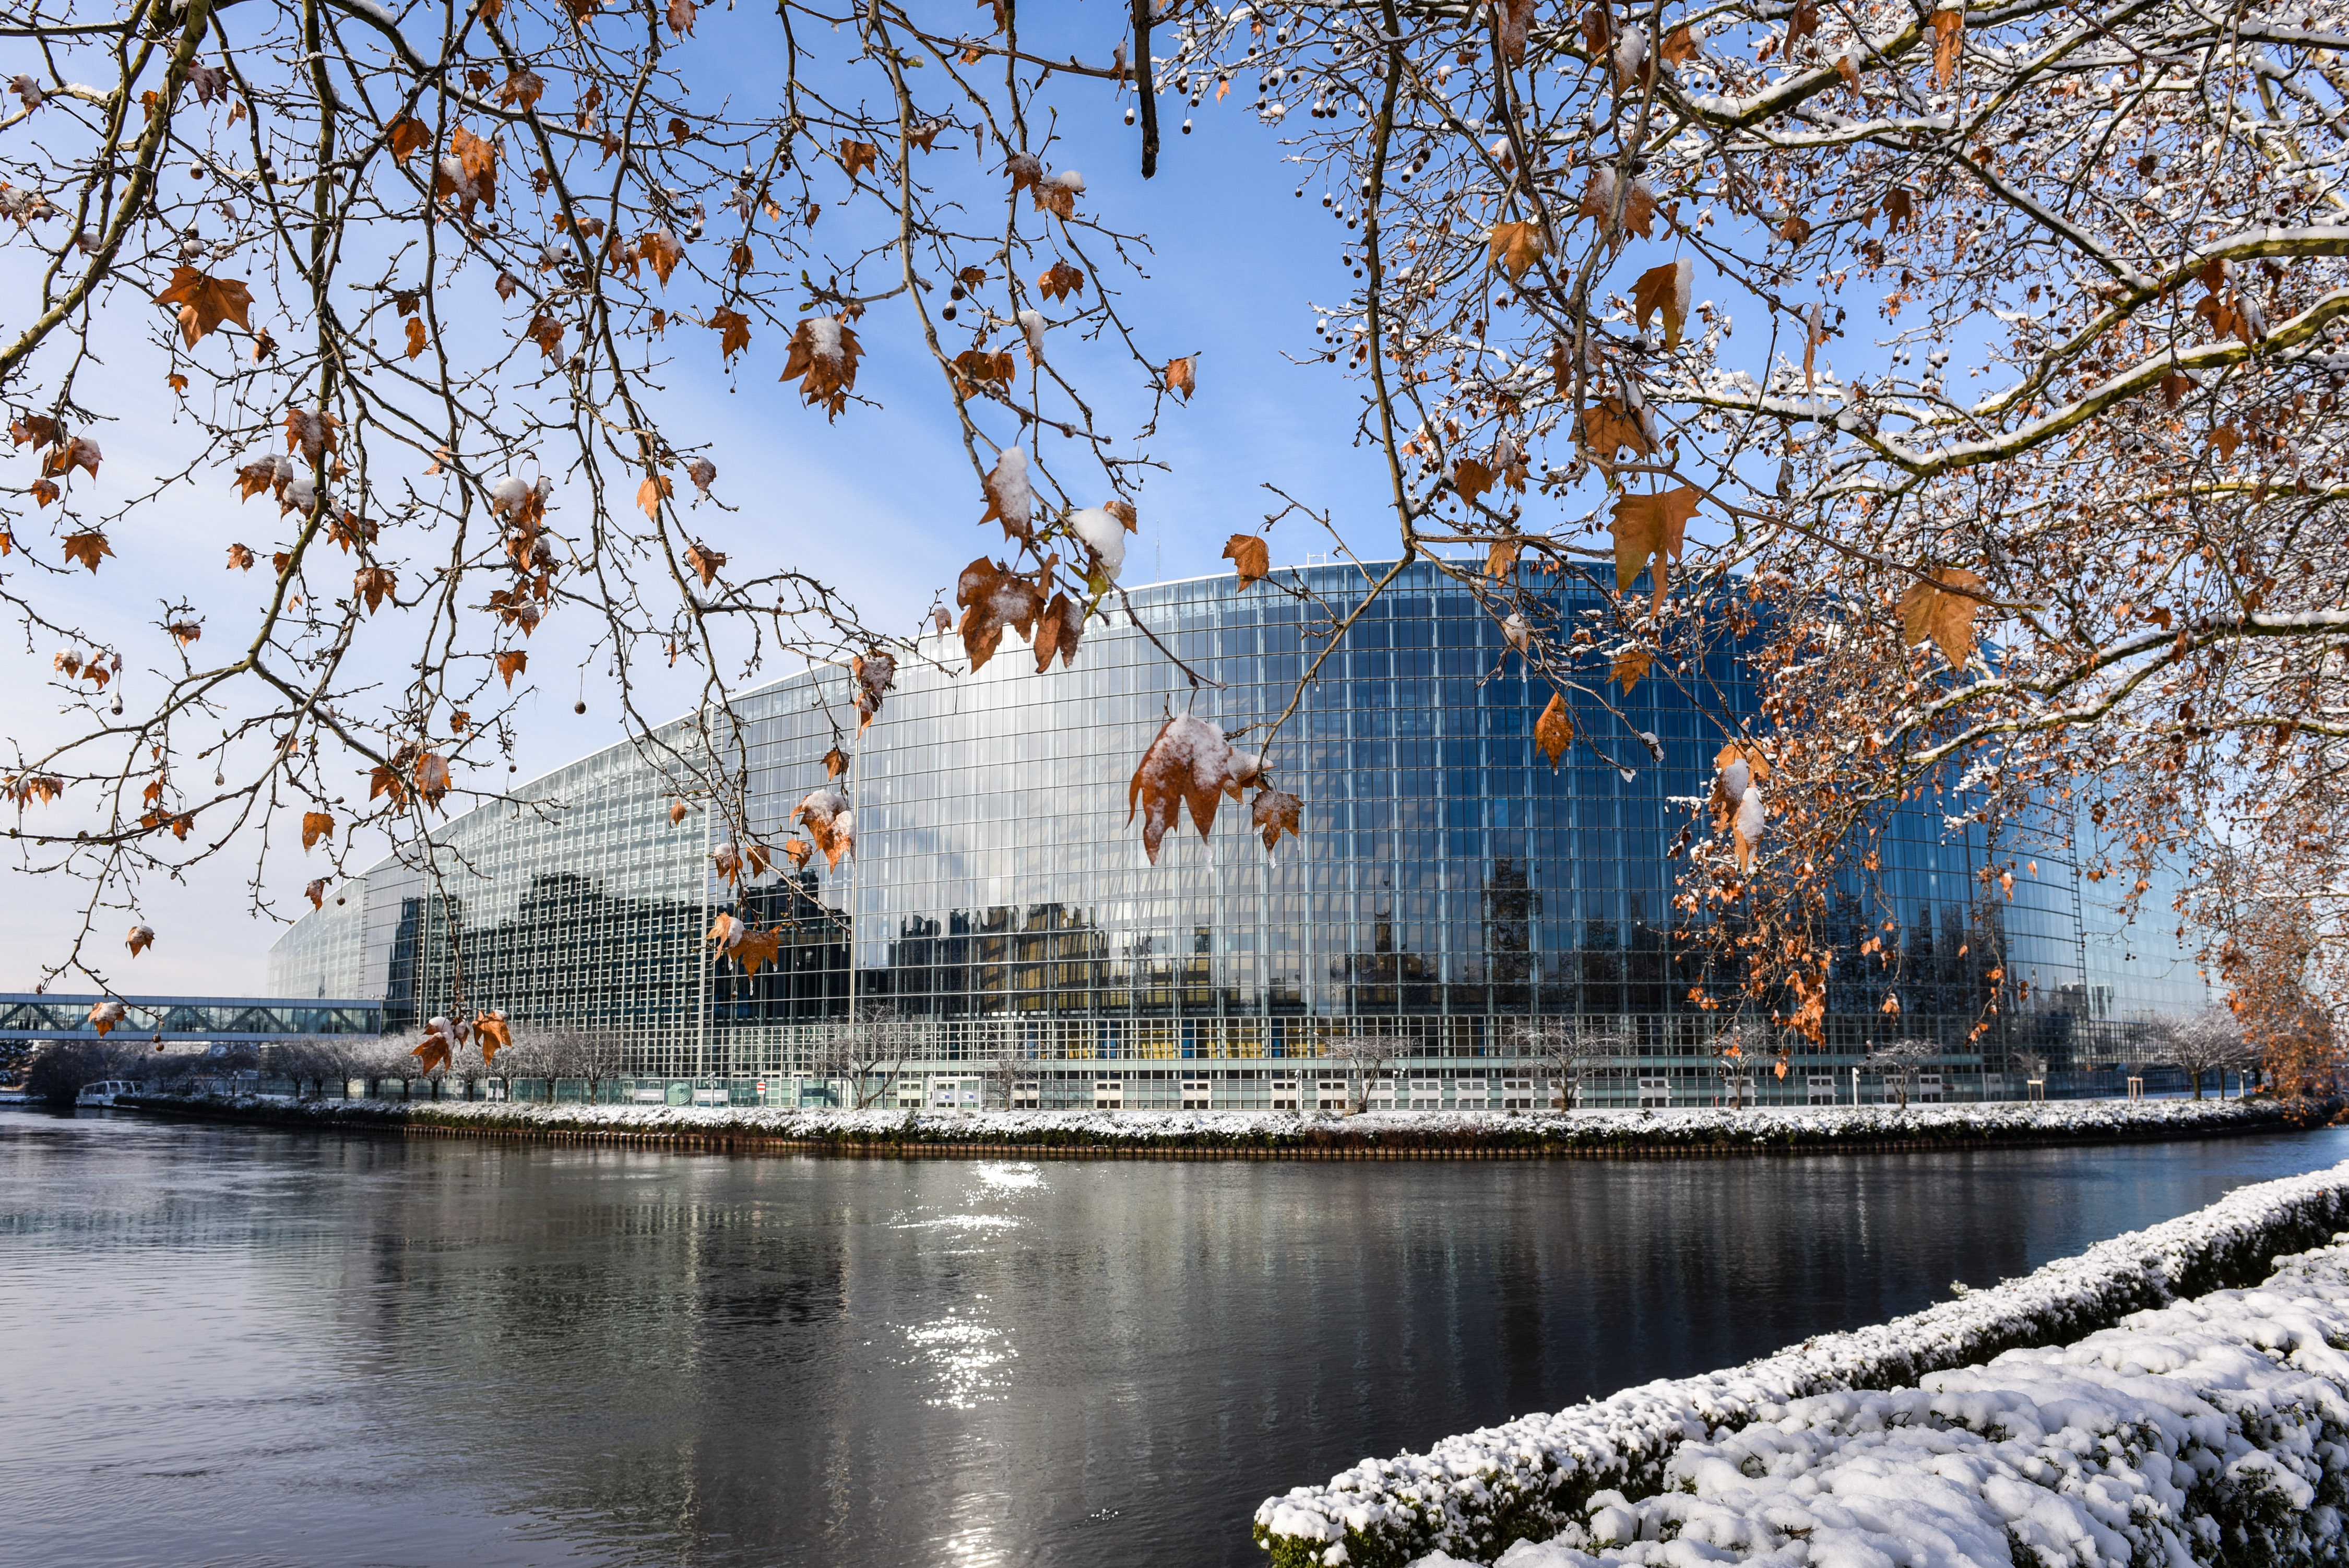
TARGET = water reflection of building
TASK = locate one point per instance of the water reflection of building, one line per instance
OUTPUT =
(1449, 882)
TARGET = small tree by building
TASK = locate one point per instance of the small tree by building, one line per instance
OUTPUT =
(1004, 1062)
(314, 1061)
(1366, 1058)
(1738, 1048)
(593, 1056)
(388, 1056)
(867, 1050)
(1570, 1050)
(1898, 1063)
(2200, 1044)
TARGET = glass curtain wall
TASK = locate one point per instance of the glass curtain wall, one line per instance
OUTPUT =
(1000, 919)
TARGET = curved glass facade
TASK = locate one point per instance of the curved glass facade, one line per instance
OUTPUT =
(998, 907)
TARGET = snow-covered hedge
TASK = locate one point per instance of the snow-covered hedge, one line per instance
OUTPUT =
(2253, 1454)
(1554, 1131)
(2213, 1432)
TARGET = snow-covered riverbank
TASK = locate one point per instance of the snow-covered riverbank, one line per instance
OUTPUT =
(1273, 1132)
(2211, 1430)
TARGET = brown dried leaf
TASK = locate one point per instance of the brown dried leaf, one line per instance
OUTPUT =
(512, 663)
(874, 672)
(1182, 375)
(1010, 496)
(1949, 42)
(435, 1051)
(733, 330)
(86, 547)
(1553, 731)
(660, 250)
(1608, 426)
(649, 495)
(1471, 478)
(1188, 762)
(1250, 554)
(992, 598)
(823, 355)
(374, 585)
(203, 303)
(524, 87)
(759, 947)
(1275, 812)
(829, 822)
(1515, 247)
(1630, 666)
(489, 1028)
(406, 136)
(1665, 289)
(1058, 631)
(1941, 605)
(316, 825)
(1648, 529)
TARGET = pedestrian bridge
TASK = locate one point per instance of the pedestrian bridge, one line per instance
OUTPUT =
(209, 1020)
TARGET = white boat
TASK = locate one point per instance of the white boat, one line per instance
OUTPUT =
(102, 1092)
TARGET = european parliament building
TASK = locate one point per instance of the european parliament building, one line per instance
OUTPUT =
(1000, 919)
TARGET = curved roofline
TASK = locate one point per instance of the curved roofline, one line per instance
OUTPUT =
(512, 798)
(816, 665)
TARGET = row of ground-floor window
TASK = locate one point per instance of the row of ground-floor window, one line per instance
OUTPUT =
(1301, 1087)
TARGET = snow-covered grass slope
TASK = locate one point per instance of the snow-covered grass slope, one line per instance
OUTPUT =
(1595, 1131)
(2219, 1426)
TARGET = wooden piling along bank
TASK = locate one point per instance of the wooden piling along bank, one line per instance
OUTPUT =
(1308, 1142)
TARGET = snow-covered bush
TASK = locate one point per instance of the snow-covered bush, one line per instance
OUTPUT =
(1563, 1133)
(2215, 1430)
(1604, 1468)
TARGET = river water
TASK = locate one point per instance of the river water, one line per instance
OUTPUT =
(255, 1348)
